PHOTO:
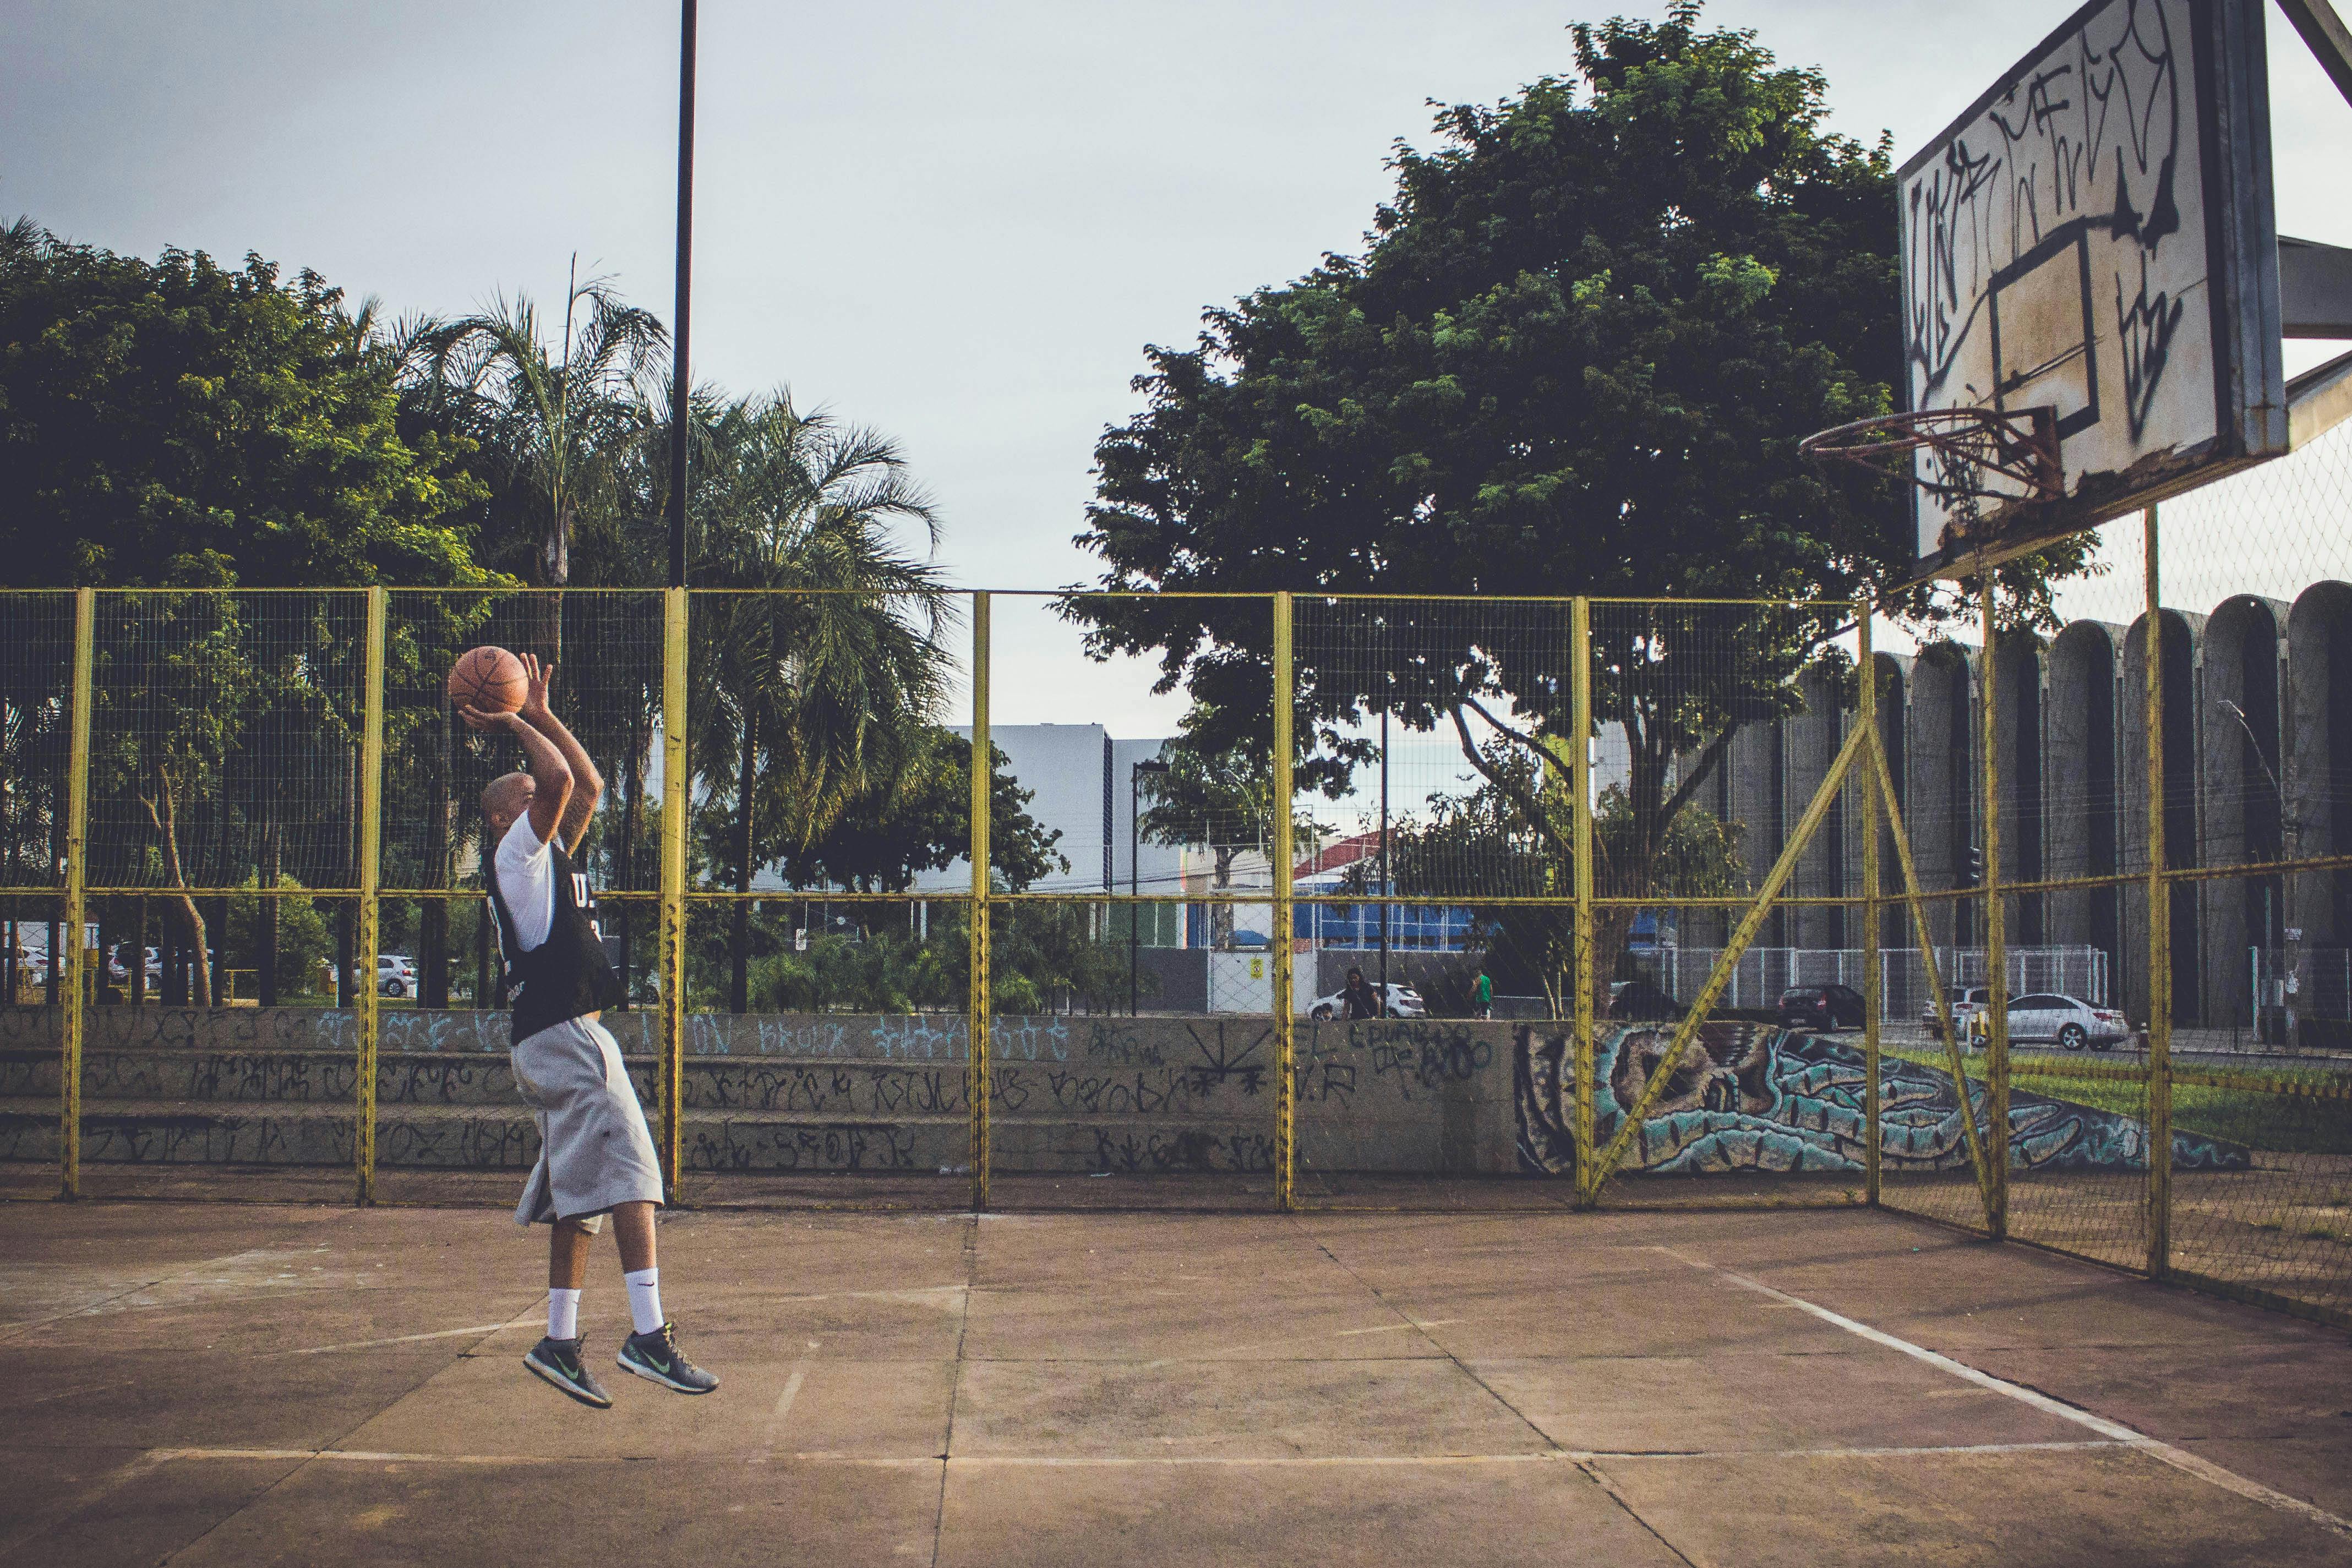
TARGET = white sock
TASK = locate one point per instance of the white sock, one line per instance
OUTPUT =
(562, 1313)
(645, 1298)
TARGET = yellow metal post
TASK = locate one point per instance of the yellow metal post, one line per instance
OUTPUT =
(1918, 907)
(1996, 928)
(1286, 1020)
(980, 1022)
(1630, 1128)
(1872, 978)
(77, 878)
(2160, 926)
(676, 772)
(364, 997)
(1580, 1024)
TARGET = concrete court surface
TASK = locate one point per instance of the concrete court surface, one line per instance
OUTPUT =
(254, 1385)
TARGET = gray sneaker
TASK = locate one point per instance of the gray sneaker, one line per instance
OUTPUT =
(558, 1361)
(656, 1357)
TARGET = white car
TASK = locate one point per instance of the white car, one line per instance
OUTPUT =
(395, 974)
(2050, 1017)
(118, 965)
(1965, 1002)
(1404, 1002)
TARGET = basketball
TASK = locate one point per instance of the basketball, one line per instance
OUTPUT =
(489, 678)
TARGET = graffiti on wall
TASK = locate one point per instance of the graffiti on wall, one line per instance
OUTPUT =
(1749, 1097)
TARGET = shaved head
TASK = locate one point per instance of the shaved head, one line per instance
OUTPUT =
(507, 797)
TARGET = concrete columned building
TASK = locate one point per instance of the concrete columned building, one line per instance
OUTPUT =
(2257, 756)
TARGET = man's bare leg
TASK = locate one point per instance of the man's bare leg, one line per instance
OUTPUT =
(567, 1256)
(633, 1228)
(556, 1358)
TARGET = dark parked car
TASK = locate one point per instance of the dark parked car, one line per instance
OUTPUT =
(1820, 1006)
(1636, 999)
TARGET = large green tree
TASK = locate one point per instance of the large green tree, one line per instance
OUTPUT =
(1576, 356)
(178, 423)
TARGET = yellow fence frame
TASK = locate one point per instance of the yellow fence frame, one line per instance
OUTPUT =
(1862, 756)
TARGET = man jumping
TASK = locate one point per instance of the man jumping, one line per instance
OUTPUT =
(595, 1156)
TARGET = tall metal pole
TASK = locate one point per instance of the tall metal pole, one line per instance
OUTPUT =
(676, 766)
(978, 1000)
(1134, 884)
(73, 1019)
(681, 378)
(1285, 1010)
(2159, 923)
(1579, 1006)
(1385, 889)
(367, 1007)
(1872, 978)
(1996, 931)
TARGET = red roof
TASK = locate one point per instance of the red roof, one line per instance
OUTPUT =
(1342, 852)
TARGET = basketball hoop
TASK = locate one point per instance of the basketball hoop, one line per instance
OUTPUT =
(2009, 455)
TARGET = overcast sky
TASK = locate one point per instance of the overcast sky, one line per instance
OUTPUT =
(958, 223)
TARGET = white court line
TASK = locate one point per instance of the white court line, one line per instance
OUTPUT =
(2179, 1460)
(783, 1408)
(1146, 1461)
(1393, 1328)
(363, 1457)
(396, 1339)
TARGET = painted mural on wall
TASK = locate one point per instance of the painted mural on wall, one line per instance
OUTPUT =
(1750, 1097)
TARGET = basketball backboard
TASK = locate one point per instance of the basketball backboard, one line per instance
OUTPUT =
(2095, 236)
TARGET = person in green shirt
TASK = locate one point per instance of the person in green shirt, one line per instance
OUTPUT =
(1482, 992)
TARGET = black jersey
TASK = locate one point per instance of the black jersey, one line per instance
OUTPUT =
(570, 974)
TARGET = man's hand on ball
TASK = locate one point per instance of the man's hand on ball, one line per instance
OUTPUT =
(537, 678)
(483, 723)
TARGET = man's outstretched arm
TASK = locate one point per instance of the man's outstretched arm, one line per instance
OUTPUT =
(587, 784)
(550, 776)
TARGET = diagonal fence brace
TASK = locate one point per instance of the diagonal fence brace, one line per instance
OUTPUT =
(1884, 780)
(1605, 1165)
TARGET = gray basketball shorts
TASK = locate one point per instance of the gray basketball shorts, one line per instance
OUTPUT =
(593, 1149)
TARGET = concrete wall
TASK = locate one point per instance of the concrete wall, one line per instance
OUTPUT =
(1141, 1095)
(781, 1092)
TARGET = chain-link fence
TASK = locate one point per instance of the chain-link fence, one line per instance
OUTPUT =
(1424, 902)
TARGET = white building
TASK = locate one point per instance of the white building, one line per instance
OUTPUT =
(1082, 782)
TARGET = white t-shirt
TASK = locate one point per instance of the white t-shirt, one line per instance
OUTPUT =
(527, 882)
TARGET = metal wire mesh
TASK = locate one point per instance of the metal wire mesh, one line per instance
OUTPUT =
(225, 739)
(605, 650)
(827, 1006)
(36, 638)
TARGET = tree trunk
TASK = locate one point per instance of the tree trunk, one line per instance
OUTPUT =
(433, 915)
(555, 567)
(164, 813)
(139, 960)
(482, 953)
(266, 922)
(174, 975)
(192, 933)
(58, 861)
(217, 981)
(738, 941)
(1220, 915)
(625, 874)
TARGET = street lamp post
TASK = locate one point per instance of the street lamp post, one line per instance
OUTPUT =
(681, 381)
(1384, 862)
(1134, 881)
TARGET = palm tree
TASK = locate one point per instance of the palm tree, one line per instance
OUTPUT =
(822, 693)
(556, 425)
